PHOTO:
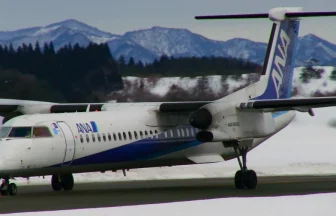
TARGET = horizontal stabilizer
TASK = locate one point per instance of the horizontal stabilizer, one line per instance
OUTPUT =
(266, 15)
(300, 104)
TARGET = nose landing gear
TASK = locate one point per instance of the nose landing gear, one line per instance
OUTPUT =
(7, 188)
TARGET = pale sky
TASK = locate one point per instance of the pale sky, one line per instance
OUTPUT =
(120, 16)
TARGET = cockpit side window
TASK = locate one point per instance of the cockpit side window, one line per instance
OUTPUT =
(4, 131)
(21, 132)
(41, 131)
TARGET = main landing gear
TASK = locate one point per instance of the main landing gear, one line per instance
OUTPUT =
(7, 188)
(244, 177)
(65, 182)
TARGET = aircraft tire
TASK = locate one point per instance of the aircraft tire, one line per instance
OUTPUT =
(239, 180)
(250, 179)
(67, 181)
(56, 184)
(4, 189)
(12, 189)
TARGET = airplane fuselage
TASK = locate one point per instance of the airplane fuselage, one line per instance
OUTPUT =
(111, 140)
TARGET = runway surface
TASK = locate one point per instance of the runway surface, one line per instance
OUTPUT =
(121, 193)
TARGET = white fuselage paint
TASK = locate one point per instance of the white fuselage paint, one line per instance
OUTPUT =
(37, 156)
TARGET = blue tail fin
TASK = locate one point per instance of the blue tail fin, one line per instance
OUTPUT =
(278, 66)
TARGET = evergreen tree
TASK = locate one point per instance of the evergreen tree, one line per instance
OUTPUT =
(333, 74)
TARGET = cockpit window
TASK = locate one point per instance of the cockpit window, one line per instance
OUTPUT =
(41, 132)
(21, 132)
(4, 131)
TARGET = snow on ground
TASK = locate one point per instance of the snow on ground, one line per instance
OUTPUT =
(161, 86)
(308, 205)
(323, 85)
(306, 146)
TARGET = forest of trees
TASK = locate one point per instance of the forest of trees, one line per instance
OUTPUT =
(187, 67)
(78, 74)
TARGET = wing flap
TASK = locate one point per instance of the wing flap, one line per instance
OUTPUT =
(209, 158)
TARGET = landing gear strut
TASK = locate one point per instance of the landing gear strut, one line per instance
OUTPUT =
(244, 177)
(7, 188)
(65, 182)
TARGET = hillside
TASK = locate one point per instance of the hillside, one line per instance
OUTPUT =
(213, 87)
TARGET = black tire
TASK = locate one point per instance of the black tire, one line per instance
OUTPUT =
(3, 189)
(67, 181)
(250, 179)
(239, 180)
(56, 183)
(12, 189)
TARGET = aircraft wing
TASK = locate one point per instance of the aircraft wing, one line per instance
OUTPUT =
(299, 104)
(10, 108)
(187, 106)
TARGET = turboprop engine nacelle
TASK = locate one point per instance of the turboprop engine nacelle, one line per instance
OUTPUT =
(200, 119)
(223, 122)
(212, 136)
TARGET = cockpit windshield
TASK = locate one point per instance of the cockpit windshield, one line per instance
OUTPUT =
(24, 132)
(15, 132)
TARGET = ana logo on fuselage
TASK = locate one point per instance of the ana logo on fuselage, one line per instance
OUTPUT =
(280, 61)
(86, 127)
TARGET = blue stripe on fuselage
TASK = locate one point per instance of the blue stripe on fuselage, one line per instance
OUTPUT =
(140, 150)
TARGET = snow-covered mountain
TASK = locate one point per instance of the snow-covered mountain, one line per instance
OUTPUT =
(149, 44)
(62, 33)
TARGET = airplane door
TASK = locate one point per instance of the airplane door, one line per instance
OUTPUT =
(69, 143)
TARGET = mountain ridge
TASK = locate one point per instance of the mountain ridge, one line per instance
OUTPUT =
(146, 45)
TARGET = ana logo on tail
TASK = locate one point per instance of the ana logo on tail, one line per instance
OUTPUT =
(280, 61)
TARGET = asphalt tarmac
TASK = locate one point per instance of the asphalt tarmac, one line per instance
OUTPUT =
(122, 193)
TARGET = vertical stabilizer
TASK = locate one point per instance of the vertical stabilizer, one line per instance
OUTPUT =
(277, 73)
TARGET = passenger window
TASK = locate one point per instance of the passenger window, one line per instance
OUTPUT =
(93, 138)
(146, 133)
(119, 135)
(81, 138)
(22, 132)
(192, 132)
(130, 135)
(104, 137)
(87, 138)
(178, 133)
(182, 132)
(135, 135)
(114, 137)
(151, 132)
(124, 135)
(141, 135)
(156, 131)
(187, 132)
(109, 137)
(99, 138)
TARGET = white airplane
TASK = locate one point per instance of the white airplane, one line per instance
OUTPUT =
(61, 139)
